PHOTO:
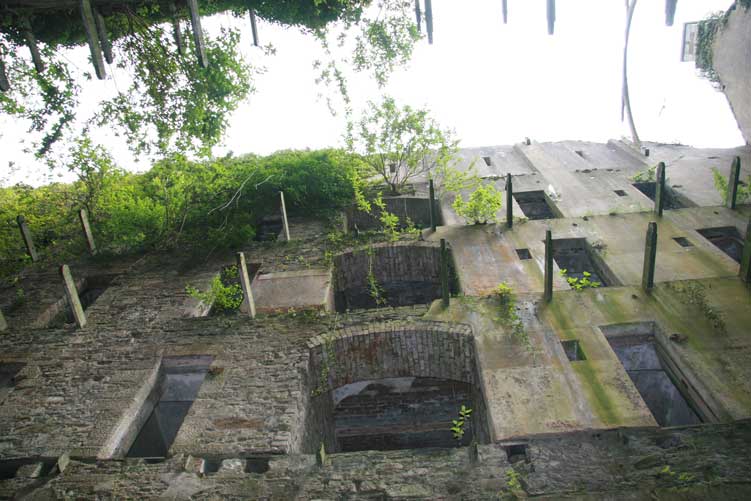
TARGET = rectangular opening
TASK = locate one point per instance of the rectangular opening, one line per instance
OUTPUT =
(573, 350)
(647, 365)
(177, 387)
(268, 229)
(487, 160)
(575, 255)
(621, 193)
(727, 239)
(535, 205)
(88, 292)
(8, 372)
(683, 241)
(523, 254)
(516, 453)
(650, 190)
(580, 153)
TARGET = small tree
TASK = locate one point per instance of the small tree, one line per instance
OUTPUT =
(400, 143)
(482, 205)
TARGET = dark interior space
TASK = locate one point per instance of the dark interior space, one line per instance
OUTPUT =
(269, 228)
(650, 190)
(727, 239)
(182, 378)
(535, 205)
(575, 256)
(573, 350)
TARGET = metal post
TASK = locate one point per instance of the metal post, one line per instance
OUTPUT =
(445, 296)
(3, 323)
(548, 294)
(89, 24)
(745, 271)
(505, 11)
(733, 181)
(551, 17)
(4, 84)
(670, 12)
(176, 31)
(101, 29)
(660, 189)
(650, 255)
(285, 223)
(253, 27)
(248, 306)
(31, 41)
(27, 240)
(509, 202)
(429, 19)
(83, 216)
(418, 16)
(195, 21)
(433, 215)
(72, 293)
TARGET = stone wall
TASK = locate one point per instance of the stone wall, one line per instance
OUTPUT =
(408, 273)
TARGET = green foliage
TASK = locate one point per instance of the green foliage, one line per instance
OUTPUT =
(509, 316)
(580, 283)
(389, 221)
(459, 425)
(199, 205)
(721, 185)
(375, 289)
(648, 175)
(224, 295)
(482, 206)
(400, 143)
(706, 33)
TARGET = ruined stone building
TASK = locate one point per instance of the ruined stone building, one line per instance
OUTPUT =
(608, 392)
(349, 379)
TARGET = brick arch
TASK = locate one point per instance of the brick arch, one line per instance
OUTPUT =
(420, 349)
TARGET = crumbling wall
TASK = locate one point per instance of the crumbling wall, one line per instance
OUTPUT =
(732, 62)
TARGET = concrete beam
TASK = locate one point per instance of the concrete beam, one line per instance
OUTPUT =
(285, 223)
(432, 203)
(4, 84)
(733, 181)
(83, 216)
(548, 293)
(670, 12)
(177, 33)
(418, 16)
(254, 28)
(89, 24)
(3, 323)
(505, 11)
(27, 239)
(31, 42)
(745, 271)
(248, 305)
(195, 21)
(445, 292)
(509, 202)
(551, 17)
(660, 190)
(101, 29)
(429, 20)
(72, 294)
(650, 255)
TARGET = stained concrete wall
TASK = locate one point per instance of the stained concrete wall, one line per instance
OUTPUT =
(732, 62)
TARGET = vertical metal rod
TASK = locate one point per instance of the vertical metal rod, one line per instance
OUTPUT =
(177, 33)
(670, 12)
(27, 238)
(254, 28)
(433, 214)
(285, 223)
(3, 323)
(418, 16)
(509, 202)
(101, 29)
(650, 256)
(4, 84)
(83, 216)
(551, 17)
(505, 11)
(445, 292)
(72, 293)
(733, 181)
(660, 190)
(89, 24)
(548, 294)
(429, 20)
(248, 305)
(195, 21)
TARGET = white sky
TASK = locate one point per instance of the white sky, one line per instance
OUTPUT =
(492, 83)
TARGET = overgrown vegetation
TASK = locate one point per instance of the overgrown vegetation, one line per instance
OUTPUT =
(509, 316)
(721, 185)
(707, 31)
(648, 175)
(194, 205)
(225, 293)
(580, 283)
(459, 426)
(693, 293)
(481, 207)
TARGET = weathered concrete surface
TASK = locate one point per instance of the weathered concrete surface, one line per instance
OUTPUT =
(285, 290)
(731, 53)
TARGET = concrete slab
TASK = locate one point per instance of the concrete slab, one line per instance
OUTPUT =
(305, 289)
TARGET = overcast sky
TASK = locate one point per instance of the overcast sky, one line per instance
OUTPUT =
(492, 83)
